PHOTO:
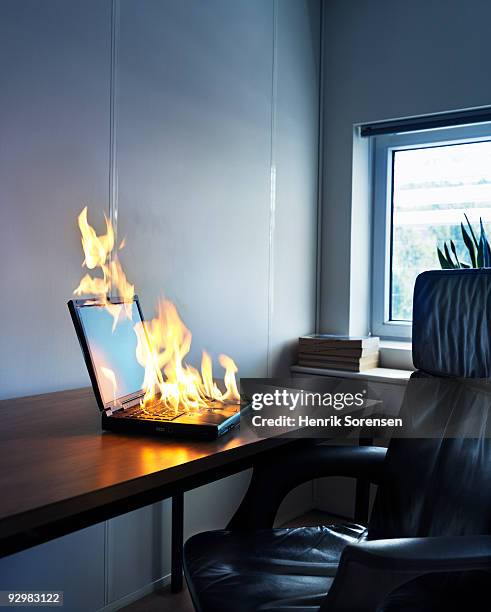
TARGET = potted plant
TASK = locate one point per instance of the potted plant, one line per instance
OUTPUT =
(479, 250)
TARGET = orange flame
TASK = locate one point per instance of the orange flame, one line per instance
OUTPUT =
(229, 378)
(97, 251)
(162, 343)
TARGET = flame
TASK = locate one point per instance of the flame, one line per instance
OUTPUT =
(97, 251)
(229, 378)
(96, 248)
(211, 388)
(162, 343)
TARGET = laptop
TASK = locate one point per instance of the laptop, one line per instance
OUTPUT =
(119, 394)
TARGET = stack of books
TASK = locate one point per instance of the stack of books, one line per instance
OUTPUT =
(353, 353)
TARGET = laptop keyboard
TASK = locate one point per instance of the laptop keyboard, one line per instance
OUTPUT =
(151, 412)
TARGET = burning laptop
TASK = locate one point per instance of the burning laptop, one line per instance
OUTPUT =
(131, 393)
(136, 367)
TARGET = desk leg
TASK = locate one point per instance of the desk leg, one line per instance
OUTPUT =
(177, 542)
(362, 495)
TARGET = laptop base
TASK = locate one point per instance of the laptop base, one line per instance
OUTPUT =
(196, 431)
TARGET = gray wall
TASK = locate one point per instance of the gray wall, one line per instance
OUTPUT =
(54, 159)
(385, 59)
(209, 98)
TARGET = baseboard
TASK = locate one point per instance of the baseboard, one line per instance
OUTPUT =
(156, 585)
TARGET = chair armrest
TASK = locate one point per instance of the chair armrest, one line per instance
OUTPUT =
(378, 567)
(271, 481)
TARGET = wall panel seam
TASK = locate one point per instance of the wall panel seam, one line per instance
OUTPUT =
(272, 193)
(320, 173)
(113, 207)
(113, 118)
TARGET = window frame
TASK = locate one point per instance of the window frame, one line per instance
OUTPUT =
(383, 148)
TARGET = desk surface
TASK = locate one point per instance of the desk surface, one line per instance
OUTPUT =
(59, 471)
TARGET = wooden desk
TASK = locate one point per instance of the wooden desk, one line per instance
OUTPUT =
(59, 472)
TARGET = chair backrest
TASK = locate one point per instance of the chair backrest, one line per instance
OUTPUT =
(441, 485)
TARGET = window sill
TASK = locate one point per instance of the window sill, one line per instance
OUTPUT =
(396, 355)
(386, 375)
(396, 366)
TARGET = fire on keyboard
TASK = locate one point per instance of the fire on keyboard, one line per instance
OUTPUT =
(156, 411)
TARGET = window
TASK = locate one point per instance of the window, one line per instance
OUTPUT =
(424, 182)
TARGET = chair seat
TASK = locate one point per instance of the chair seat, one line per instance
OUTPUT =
(272, 569)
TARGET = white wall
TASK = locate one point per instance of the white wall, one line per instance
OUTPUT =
(386, 59)
(54, 159)
(296, 135)
(209, 97)
(194, 129)
(54, 131)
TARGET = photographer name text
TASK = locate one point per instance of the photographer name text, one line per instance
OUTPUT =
(329, 421)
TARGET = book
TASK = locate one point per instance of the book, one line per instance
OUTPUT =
(339, 341)
(344, 368)
(336, 353)
(354, 366)
(340, 358)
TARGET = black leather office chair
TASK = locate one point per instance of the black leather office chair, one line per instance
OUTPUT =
(428, 543)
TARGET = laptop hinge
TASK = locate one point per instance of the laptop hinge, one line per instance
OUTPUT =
(109, 410)
(131, 402)
(124, 404)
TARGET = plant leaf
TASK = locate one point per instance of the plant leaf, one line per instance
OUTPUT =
(470, 246)
(480, 253)
(443, 262)
(487, 255)
(454, 251)
(472, 231)
(464, 265)
(486, 249)
(447, 255)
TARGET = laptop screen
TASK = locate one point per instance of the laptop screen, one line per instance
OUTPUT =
(113, 352)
